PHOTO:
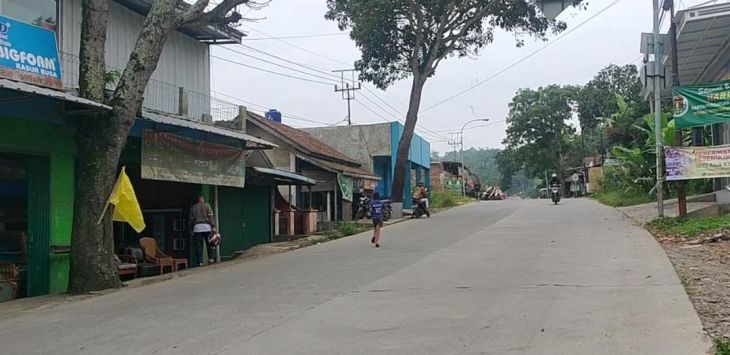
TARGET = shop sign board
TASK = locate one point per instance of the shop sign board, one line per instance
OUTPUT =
(702, 105)
(454, 186)
(29, 53)
(684, 163)
(346, 186)
(170, 157)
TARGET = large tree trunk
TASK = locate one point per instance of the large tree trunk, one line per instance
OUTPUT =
(404, 146)
(101, 139)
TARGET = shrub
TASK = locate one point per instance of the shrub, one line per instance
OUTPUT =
(443, 199)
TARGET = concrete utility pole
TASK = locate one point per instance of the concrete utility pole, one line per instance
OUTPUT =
(658, 111)
(347, 88)
(681, 185)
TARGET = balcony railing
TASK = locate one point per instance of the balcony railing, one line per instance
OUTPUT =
(163, 97)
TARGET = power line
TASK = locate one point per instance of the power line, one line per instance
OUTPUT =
(300, 48)
(270, 71)
(423, 130)
(312, 68)
(295, 117)
(276, 64)
(296, 37)
(482, 82)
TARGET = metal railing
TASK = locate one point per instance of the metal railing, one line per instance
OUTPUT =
(161, 96)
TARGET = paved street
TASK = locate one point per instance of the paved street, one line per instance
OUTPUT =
(510, 277)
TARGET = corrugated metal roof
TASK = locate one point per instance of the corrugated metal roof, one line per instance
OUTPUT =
(59, 95)
(285, 175)
(186, 123)
(339, 168)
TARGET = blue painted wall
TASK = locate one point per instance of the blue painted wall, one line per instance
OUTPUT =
(419, 156)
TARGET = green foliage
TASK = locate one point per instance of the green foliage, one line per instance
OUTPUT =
(400, 38)
(688, 227)
(618, 198)
(539, 135)
(722, 346)
(443, 199)
(481, 162)
(598, 98)
(346, 229)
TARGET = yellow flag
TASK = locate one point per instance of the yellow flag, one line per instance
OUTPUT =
(126, 207)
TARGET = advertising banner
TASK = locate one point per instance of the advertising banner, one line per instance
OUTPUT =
(170, 157)
(684, 163)
(702, 105)
(29, 53)
(454, 186)
(346, 186)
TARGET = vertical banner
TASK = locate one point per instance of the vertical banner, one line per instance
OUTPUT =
(346, 186)
(171, 157)
(685, 163)
(701, 105)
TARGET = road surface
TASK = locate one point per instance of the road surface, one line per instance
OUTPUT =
(508, 277)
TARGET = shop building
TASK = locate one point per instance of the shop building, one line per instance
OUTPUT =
(375, 147)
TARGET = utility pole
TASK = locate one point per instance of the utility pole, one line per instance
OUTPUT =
(347, 88)
(658, 111)
(681, 185)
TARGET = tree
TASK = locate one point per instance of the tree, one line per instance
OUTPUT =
(435, 155)
(481, 162)
(538, 134)
(409, 38)
(598, 98)
(101, 138)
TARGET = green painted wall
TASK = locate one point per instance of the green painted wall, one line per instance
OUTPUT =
(58, 145)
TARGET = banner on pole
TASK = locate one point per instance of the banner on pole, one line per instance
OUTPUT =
(170, 157)
(346, 186)
(685, 163)
(702, 105)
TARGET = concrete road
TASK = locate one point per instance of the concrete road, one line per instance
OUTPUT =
(509, 277)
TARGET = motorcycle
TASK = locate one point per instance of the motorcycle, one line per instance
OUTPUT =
(363, 211)
(555, 193)
(420, 209)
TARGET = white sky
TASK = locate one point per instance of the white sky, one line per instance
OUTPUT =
(611, 37)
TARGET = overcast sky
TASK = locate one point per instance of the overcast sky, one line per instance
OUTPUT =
(609, 37)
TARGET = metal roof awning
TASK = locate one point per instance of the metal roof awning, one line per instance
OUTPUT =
(55, 94)
(159, 117)
(208, 34)
(703, 43)
(339, 168)
(286, 177)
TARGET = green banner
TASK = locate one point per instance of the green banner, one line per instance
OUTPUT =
(454, 186)
(702, 105)
(346, 186)
(171, 157)
(684, 163)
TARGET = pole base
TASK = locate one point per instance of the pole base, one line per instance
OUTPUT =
(397, 209)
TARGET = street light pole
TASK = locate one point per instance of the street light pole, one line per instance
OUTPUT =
(461, 154)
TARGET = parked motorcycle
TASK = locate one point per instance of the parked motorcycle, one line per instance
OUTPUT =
(363, 211)
(420, 210)
(555, 193)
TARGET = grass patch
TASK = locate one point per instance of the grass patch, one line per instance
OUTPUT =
(622, 199)
(722, 347)
(688, 227)
(345, 229)
(443, 199)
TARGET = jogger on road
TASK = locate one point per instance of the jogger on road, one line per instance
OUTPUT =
(377, 209)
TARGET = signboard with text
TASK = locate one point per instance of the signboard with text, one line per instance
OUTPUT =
(170, 157)
(346, 186)
(29, 53)
(685, 163)
(701, 105)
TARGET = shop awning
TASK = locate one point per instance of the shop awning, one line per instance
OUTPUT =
(200, 126)
(339, 168)
(286, 177)
(55, 94)
(703, 43)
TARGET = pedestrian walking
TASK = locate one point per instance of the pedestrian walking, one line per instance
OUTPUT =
(202, 223)
(377, 209)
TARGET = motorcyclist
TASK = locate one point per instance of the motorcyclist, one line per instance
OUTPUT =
(420, 195)
(554, 181)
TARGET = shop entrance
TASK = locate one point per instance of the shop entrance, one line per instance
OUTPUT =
(24, 224)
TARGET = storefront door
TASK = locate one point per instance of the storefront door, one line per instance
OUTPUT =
(24, 220)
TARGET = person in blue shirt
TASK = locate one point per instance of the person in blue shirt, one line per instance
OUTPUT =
(377, 209)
